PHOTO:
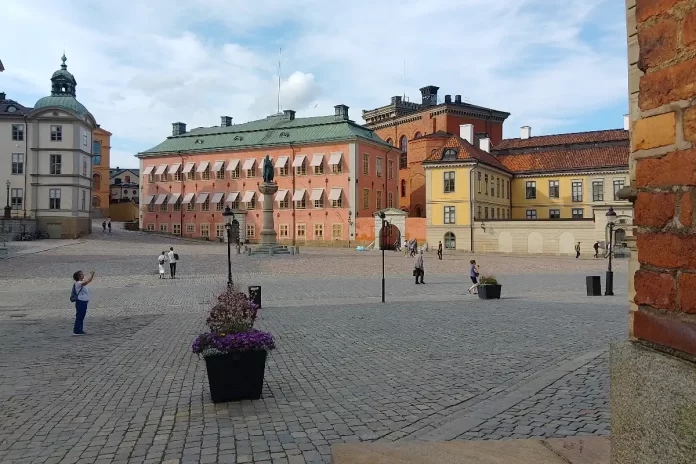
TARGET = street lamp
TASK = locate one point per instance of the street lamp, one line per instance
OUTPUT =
(611, 217)
(8, 208)
(229, 217)
(382, 245)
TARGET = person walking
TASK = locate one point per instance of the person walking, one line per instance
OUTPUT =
(419, 270)
(439, 250)
(473, 273)
(80, 296)
(160, 260)
(103, 226)
(173, 258)
(577, 250)
(109, 225)
(596, 249)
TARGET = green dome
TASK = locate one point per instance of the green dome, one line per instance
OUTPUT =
(63, 73)
(62, 101)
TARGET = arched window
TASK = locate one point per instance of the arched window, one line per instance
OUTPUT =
(450, 241)
(419, 211)
(390, 142)
(619, 236)
(96, 181)
(403, 159)
(418, 135)
(96, 202)
(403, 188)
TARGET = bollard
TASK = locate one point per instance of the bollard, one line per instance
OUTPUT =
(297, 250)
(249, 251)
(255, 295)
(292, 251)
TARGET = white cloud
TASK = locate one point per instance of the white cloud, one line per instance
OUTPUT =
(142, 65)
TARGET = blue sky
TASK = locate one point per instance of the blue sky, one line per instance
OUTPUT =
(555, 65)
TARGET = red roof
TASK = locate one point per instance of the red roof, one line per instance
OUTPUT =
(465, 151)
(603, 136)
(567, 159)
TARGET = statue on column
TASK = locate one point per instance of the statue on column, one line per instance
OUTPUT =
(268, 172)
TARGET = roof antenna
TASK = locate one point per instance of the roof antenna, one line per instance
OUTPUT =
(280, 52)
(403, 81)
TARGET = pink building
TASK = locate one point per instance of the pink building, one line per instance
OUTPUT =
(330, 172)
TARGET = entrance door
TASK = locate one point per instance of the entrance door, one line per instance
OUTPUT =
(54, 229)
(389, 237)
(235, 231)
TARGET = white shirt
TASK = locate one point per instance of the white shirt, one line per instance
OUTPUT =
(161, 259)
(81, 291)
(170, 255)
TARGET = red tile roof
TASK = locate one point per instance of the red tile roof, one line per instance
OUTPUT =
(465, 151)
(603, 136)
(609, 156)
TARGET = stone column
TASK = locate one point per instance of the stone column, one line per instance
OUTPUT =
(268, 233)
(653, 376)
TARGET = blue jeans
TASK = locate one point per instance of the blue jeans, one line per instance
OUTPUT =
(80, 313)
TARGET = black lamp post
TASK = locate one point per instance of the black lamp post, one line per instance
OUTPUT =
(8, 208)
(611, 217)
(382, 245)
(229, 217)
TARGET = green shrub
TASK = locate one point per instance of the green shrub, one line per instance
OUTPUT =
(488, 280)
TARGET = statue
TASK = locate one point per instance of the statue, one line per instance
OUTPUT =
(268, 172)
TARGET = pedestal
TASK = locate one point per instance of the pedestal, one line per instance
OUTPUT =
(269, 238)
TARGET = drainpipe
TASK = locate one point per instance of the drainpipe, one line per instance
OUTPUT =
(471, 204)
(293, 192)
(26, 165)
(183, 187)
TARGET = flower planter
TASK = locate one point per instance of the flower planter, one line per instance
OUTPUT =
(236, 376)
(489, 292)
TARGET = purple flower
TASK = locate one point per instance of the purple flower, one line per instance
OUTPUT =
(254, 340)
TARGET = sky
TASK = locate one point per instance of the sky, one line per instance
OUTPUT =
(555, 65)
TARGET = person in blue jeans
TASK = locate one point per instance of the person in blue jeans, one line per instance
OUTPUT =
(82, 292)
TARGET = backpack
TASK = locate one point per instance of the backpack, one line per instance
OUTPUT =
(74, 294)
(176, 256)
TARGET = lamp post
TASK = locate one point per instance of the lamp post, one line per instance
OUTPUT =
(611, 217)
(229, 217)
(8, 208)
(382, 234)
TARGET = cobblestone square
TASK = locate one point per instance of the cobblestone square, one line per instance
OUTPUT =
(432, 363)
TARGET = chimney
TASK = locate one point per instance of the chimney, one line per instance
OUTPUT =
(289, 114)
(225, 121)
(457, 99)
(178, 128)
(2, 96)
(396, 100)
(429, 95)
(466, 131)
(485, 144)
(627, 120)
(341, 112)
(448, 98)
(525, 132)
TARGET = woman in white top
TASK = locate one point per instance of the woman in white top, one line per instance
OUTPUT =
(81, 293)
(160, 260)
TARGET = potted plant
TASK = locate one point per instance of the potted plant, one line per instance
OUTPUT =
(489, 288)
(234, 352)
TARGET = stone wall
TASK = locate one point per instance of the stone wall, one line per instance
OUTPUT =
(123, 212)
(557, 237)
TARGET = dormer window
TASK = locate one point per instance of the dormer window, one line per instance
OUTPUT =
(450, 154)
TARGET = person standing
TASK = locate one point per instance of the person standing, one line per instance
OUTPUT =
(577, 250)
(173, 258)
(419, 270)
(473, 273)
(439, 250)
(160, 260)
(596, 249)
(109, 225)
(103, 226)
(80, 295)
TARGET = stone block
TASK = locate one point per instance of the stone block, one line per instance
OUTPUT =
(653, 406)
(654, 209)
(653, 132)
(656, 289)
(676, 168)
(689, 122)
(687, 293)
(646, 9)
(686, 209)
(667, 250)
(658, 43)
(673, 83)
(667, 330)
(689, 30)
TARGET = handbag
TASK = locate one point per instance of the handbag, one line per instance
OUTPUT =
(415, 272)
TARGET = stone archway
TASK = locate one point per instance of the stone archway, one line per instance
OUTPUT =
(393, 216)
(566, 243)
(535, 243)
(505, 242)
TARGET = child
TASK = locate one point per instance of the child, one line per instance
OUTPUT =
(474, 273)
(161, 259)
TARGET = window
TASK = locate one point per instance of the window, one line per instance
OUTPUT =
(220, 205)
(96, 202)
(96, 153)
(390, 142)
(205, 206)
(177, 174)
(284, 230)
(318, 231)
(84, 139)
(56, 133)
(530, 191)
(302, 202)
(403, 188)
(176, 229)
(96, 181)
(390, 169)
(235, 204)
(478, 215)
(17, 163)
(205, 230)
(190, 228)
(16, 198)
(319, 203)
(366, 199)
(498, 212)
(390, 200)
(618, 185)
(577, 190)
(191, 175)
(301, 230)
(403, 158)
(497, 186)
(190, 206)
(54, 199)
(486, 183)
(252, 203)
(17, 131)
(479, 182)
(492, 210)
(531, 214)
(507, 189)
(378, 167)
(205, 175)
(597, 190)
(177, 205)
(319, 169)
(251, 172)
(337, 168)
(554, 191)
(554, 214)
(127, 180)
(164, 207)
(151, 177)
(450, 241)
(366, 165)
(485, 212)
(285, 170)
(378, 199)
(578, 213)
(150, 207)
(163, 227)
(83, 203)
(418, 135)
(301, 170)
(337, 231)
(449, 181)
(84, 167)
(449, 215)
(492, 187)
(219, 230)
(220, 174)
(236, 173)
(284, 203)
(337, 203)
(150, 227)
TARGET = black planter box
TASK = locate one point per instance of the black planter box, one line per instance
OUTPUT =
(489, 292)
(236, 376)
(594, 285)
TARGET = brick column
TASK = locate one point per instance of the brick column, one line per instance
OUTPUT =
(653, 377)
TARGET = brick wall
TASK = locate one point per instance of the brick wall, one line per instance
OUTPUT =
(662, 86)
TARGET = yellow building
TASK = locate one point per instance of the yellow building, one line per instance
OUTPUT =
(529, 194)
(101, 149)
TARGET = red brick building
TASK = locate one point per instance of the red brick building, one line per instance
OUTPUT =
(402, 124)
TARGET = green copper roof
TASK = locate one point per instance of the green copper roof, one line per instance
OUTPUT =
(275, 130)
(63, 101)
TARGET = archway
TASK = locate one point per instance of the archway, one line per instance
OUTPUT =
(96, 202)
(389, 237)
(566, 243)
(619, 236)
(96, 181)
(505, 242)
(450, 241)
(418, 211)
(235, 231)
(535, 243)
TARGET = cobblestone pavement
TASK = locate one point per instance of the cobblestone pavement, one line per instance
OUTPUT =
(431, 363)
